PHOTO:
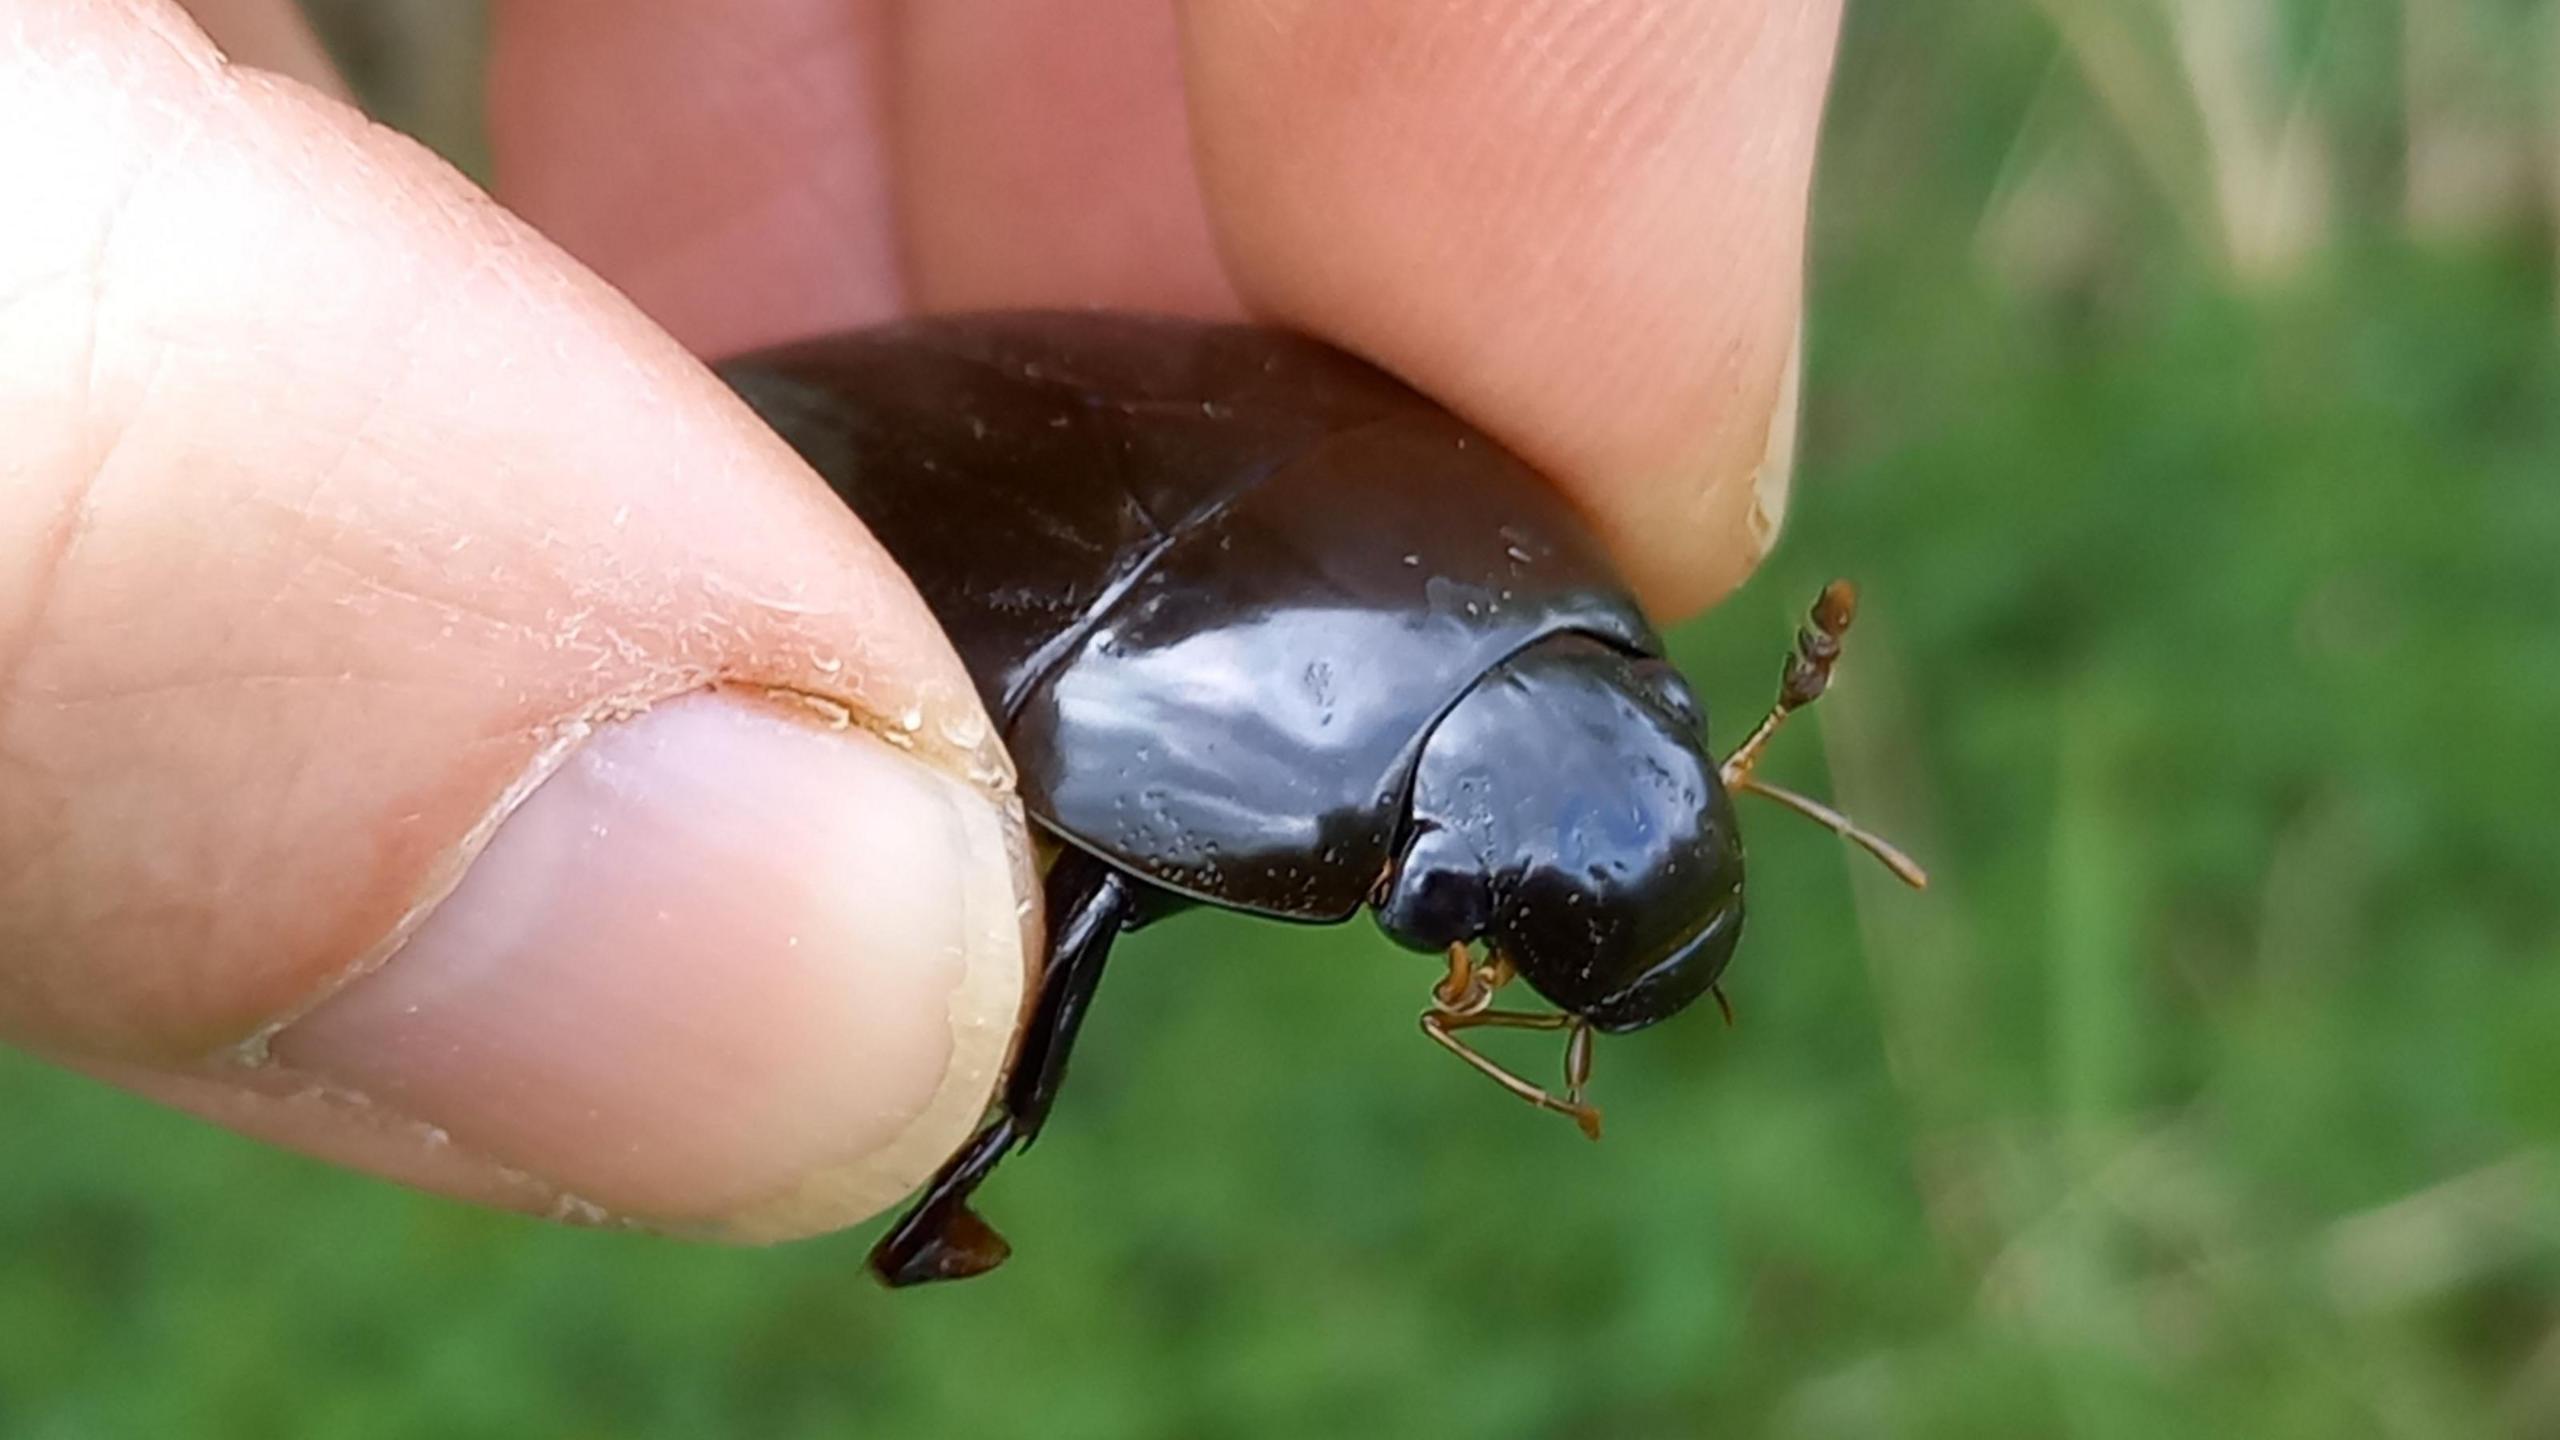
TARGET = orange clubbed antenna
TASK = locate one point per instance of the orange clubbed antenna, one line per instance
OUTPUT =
(1807, 675)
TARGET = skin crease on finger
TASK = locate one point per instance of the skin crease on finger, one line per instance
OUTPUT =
(439, 506)
(1580, 225)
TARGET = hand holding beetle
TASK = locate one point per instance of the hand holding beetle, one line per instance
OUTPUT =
(349, 526)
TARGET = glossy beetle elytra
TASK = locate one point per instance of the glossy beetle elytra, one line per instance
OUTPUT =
(1266, 629)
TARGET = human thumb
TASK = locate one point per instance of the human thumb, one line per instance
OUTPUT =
(439, 729)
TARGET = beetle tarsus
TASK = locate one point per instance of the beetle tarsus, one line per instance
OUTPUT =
(965, 1245)
(947, 1245)
(941, 1238)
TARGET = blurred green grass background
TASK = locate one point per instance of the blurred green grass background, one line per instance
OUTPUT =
(2183, 391)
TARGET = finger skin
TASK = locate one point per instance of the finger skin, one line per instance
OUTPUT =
(272, 35)
(726, 165)
(338, 510)
(1582, 226)
(1044, 158)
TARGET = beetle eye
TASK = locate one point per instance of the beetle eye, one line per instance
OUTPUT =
(1668, 689)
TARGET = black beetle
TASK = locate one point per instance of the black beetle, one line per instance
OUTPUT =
(1266, 629)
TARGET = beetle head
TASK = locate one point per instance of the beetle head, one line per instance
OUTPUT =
(1566, 812)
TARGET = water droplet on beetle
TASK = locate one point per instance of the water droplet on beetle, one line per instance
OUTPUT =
(1448, 596)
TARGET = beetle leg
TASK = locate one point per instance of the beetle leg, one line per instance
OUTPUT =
(1577, 1062)
(940, 1237)
(1441, 1027)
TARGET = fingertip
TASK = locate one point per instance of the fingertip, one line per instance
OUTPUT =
(1583, 229)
